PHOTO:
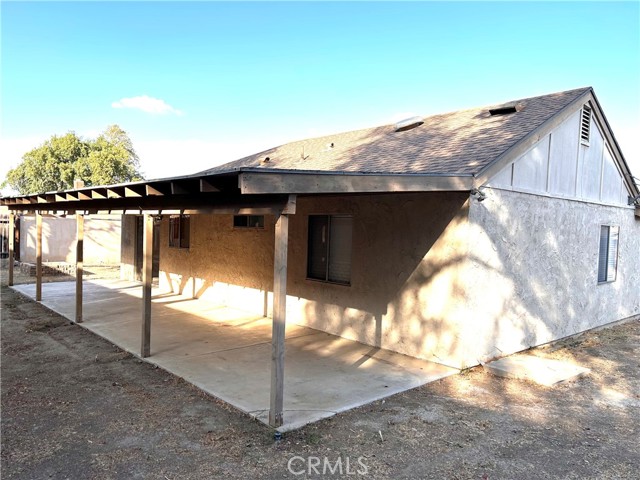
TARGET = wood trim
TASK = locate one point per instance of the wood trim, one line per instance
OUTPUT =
(38, 257)
(12, 237)
(296, 183)
(134, 191)
(150, 190)
(147, 277)
(113, 193)
(206, 186)
(276, 404)
(79, 264)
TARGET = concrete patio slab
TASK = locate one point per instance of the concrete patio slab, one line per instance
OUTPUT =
(543, 371)
(227, 352)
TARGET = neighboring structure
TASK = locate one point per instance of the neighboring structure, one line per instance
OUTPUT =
(457, 238)
(101, 247)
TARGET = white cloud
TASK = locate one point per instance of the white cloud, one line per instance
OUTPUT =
(155, 106)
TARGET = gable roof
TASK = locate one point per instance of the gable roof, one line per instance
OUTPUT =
(452, 144)
(456, 151)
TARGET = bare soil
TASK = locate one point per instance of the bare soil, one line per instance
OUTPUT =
(75, 406)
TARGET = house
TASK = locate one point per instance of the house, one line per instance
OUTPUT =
(457, 238)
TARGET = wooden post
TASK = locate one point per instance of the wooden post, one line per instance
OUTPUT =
(38, 257)
(279, 320)
(147, 277)
(12, 238)
(79, 264)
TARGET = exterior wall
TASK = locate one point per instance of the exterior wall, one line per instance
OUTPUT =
(433, 275)
(405, 294)
(101, 239)
(533, 271)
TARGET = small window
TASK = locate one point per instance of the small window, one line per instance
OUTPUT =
(248, 221)
(329, 254)
(179, 231)
(608, 255)
(585, 124)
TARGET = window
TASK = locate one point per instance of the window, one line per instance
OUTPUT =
(608, 256)
(179, 231)
(248, 221)
(329, 254)
(585, 124)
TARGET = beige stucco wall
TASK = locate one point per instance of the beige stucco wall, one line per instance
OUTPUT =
(433, 275)
(407, 250)
(101, 239)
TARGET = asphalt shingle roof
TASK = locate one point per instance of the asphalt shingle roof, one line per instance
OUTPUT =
(456, 143)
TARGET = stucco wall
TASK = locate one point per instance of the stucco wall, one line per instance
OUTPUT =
(532, 275)
(101, 239)
(433, 275)
(407, 250)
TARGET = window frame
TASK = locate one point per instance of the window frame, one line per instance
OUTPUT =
(326, 279)
(248, 227)
(183, 225)
(610, 242)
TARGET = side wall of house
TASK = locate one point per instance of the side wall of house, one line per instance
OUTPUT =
(534, 244)
(533, 272)
(406, 292)
(101, 239)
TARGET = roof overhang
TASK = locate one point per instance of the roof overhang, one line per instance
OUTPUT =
(187, 194)
(261, 182)
(231, 192)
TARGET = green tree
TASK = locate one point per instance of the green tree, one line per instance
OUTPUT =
(55, 164)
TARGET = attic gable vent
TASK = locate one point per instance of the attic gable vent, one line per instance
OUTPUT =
(585, 124)
(408, 124)
(504, 110)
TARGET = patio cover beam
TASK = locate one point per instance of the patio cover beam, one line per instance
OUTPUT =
(147, 276)
(79, 264)
(251, 182)
(276, 405)
(38, 257)
(199, 203)
(12, 236)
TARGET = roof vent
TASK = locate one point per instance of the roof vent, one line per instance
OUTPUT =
(408, 124)
(504, 110)
(585, 124)
(265, 160)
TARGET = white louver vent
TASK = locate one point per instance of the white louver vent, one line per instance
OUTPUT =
(585, 124)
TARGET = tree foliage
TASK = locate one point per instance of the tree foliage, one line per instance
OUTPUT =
(55, 164)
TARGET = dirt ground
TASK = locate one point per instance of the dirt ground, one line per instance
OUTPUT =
(76, 407)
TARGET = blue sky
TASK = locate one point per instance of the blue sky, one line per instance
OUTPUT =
(197, 84)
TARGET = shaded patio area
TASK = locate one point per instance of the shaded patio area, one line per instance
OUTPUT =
(227, 352)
